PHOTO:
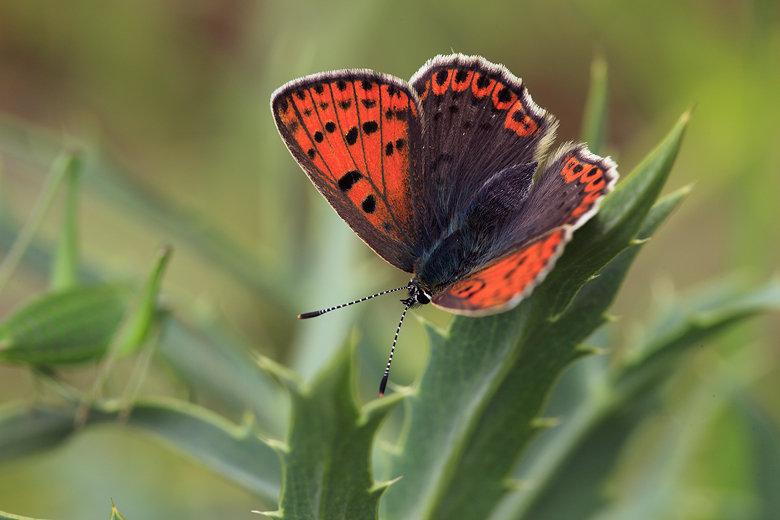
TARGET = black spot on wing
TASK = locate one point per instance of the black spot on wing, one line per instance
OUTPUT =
(369, 127)
(369, 204)
(349, 179)
(351, 136)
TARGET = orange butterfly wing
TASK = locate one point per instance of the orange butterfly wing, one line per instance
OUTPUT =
(356, 135)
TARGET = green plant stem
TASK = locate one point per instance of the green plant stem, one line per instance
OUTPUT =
(64, 164)
(65, 268)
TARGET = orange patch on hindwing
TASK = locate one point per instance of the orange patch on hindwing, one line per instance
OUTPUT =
(504, 280)
(587, 174)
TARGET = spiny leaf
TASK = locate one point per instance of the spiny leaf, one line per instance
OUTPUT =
(693, 327)
(548, 348)
(593, 452)
(327, 457)
(525, 504)
(461, 445)
(457, 382)
(115, 513)
(236, 452)
(611, 230)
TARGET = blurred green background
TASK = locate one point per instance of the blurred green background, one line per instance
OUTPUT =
(171, 97)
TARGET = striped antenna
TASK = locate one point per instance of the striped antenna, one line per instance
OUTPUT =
(307, 315)
(383, 384)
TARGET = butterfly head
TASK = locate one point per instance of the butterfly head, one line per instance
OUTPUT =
(417, 295)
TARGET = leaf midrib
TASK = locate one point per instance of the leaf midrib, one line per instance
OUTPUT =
(455, 454)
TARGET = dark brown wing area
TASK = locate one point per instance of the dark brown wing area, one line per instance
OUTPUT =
(566, 195)
(567, 192)
(478, 120)
(356, 133)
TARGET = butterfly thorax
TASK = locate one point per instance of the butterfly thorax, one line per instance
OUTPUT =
(448, 259)
(455, 256)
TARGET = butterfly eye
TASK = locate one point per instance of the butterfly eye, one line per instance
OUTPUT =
(423, 297)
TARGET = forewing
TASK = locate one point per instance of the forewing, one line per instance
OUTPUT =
(503, 283)
(356, 134)
(479, 120)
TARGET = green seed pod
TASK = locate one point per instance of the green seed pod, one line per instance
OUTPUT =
(67, 326)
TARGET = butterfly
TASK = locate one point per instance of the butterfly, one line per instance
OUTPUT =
(439, 177)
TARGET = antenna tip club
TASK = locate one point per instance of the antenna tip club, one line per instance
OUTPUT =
(307, 315)
(382, 386)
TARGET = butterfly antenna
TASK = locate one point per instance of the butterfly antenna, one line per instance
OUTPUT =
(383, 384)
(307, 315)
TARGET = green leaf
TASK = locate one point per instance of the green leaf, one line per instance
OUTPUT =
(218, 367)
(478, 401)
(593, 450)
(115, 513)
(235, 452)
(68, 326)
(63, 166)
(765, 445)
(586, 416)
(327, 457)
(611, 230)
(137, 325)
(689, 328)
(594, 121)
(9, 516)
(65, 269)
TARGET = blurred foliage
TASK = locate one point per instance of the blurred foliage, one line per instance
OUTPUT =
(169, 98)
